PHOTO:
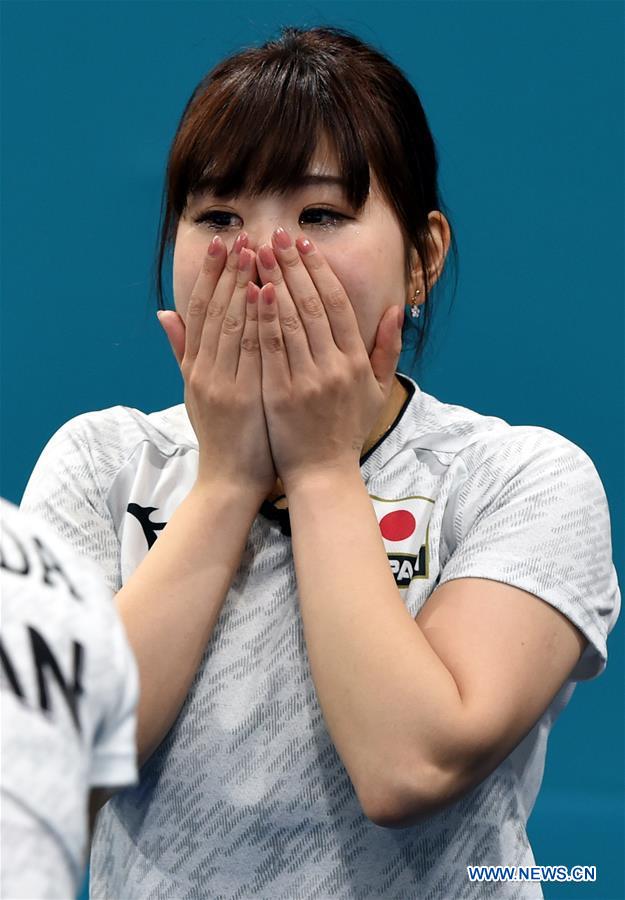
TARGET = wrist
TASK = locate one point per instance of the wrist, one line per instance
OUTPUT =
(328, 477)
(245, 496)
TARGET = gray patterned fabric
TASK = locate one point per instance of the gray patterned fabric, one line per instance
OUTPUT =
(57, 743)
(246, 796)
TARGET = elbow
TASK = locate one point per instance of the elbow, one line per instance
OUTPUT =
(406, 801)
(401, 807)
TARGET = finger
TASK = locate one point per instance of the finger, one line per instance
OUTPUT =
(174, 328)
(385, 354)
(276, 373)
(338, 308)
(217, 308)
(208, 276)
(299, 305)
(249, 371)
(233, 322)
(296, 339)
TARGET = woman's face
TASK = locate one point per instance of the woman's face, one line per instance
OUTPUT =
(365, 251)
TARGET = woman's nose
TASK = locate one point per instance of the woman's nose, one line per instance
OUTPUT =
(257, 236)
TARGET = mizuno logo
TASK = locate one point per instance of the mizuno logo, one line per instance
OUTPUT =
(142, 515)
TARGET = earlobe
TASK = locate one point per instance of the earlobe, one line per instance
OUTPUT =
(416, 283)
(437, 240)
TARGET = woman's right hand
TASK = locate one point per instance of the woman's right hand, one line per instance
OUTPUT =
(218, 352)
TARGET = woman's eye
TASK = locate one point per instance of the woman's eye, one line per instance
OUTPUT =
(317, 217)
(215, 218)
(331, 214)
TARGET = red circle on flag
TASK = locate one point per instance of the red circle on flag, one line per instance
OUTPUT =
(397, 525)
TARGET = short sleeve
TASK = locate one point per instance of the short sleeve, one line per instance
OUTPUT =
(65, 490)
(533, 514)
(114, 757)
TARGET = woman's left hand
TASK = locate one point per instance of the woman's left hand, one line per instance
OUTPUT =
(321, 392)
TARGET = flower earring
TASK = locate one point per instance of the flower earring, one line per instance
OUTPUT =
(415, 309)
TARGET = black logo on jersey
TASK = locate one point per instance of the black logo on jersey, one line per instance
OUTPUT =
(406, 566)
(46, 668)
(142, 515)
(14, 559)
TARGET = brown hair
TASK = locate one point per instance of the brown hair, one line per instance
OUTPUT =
(254, 122)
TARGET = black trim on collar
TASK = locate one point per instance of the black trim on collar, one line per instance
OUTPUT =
(410, 388)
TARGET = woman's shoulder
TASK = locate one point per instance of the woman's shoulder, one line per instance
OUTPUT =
(118, 429)
(453, 431)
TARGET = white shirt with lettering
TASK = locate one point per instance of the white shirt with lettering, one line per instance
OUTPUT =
(69, 690)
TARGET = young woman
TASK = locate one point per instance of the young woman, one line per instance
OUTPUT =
(356, 610)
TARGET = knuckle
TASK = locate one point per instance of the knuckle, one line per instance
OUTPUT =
(232, 263)
(215, 310)
(335, 298)
(276, 277)
(247, 274)
(196, 307)
(337, 379)
(360, 367)
(266, 314)
(250, 345)
(275, 343)
(291, 262)
(242, 278)
(312, 390)
(280, 401)
(216, 395)
(231, 324)
(291, 322)
(313, 306)
(194, 381)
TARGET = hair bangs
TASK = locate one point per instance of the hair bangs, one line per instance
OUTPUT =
(232, 140)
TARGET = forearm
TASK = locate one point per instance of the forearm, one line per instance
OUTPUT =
(172, 601)
(390, 704)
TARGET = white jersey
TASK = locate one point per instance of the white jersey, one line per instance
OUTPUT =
(69, 687)
(247, 796)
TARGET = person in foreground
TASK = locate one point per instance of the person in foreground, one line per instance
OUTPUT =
(356, 610)
(69, 691)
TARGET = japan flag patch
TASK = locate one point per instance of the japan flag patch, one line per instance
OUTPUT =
(404, 526)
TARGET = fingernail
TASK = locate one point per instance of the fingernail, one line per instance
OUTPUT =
(240, 242)
(304, 245)
(267, 257)
(245, 259)
(215, 246)
(282, 238)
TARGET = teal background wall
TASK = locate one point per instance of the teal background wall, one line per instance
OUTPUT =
(525, 100)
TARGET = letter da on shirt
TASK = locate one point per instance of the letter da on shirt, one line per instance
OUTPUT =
(30, 570)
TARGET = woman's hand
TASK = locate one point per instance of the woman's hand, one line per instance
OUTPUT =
(321, 393)
(219, 357)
